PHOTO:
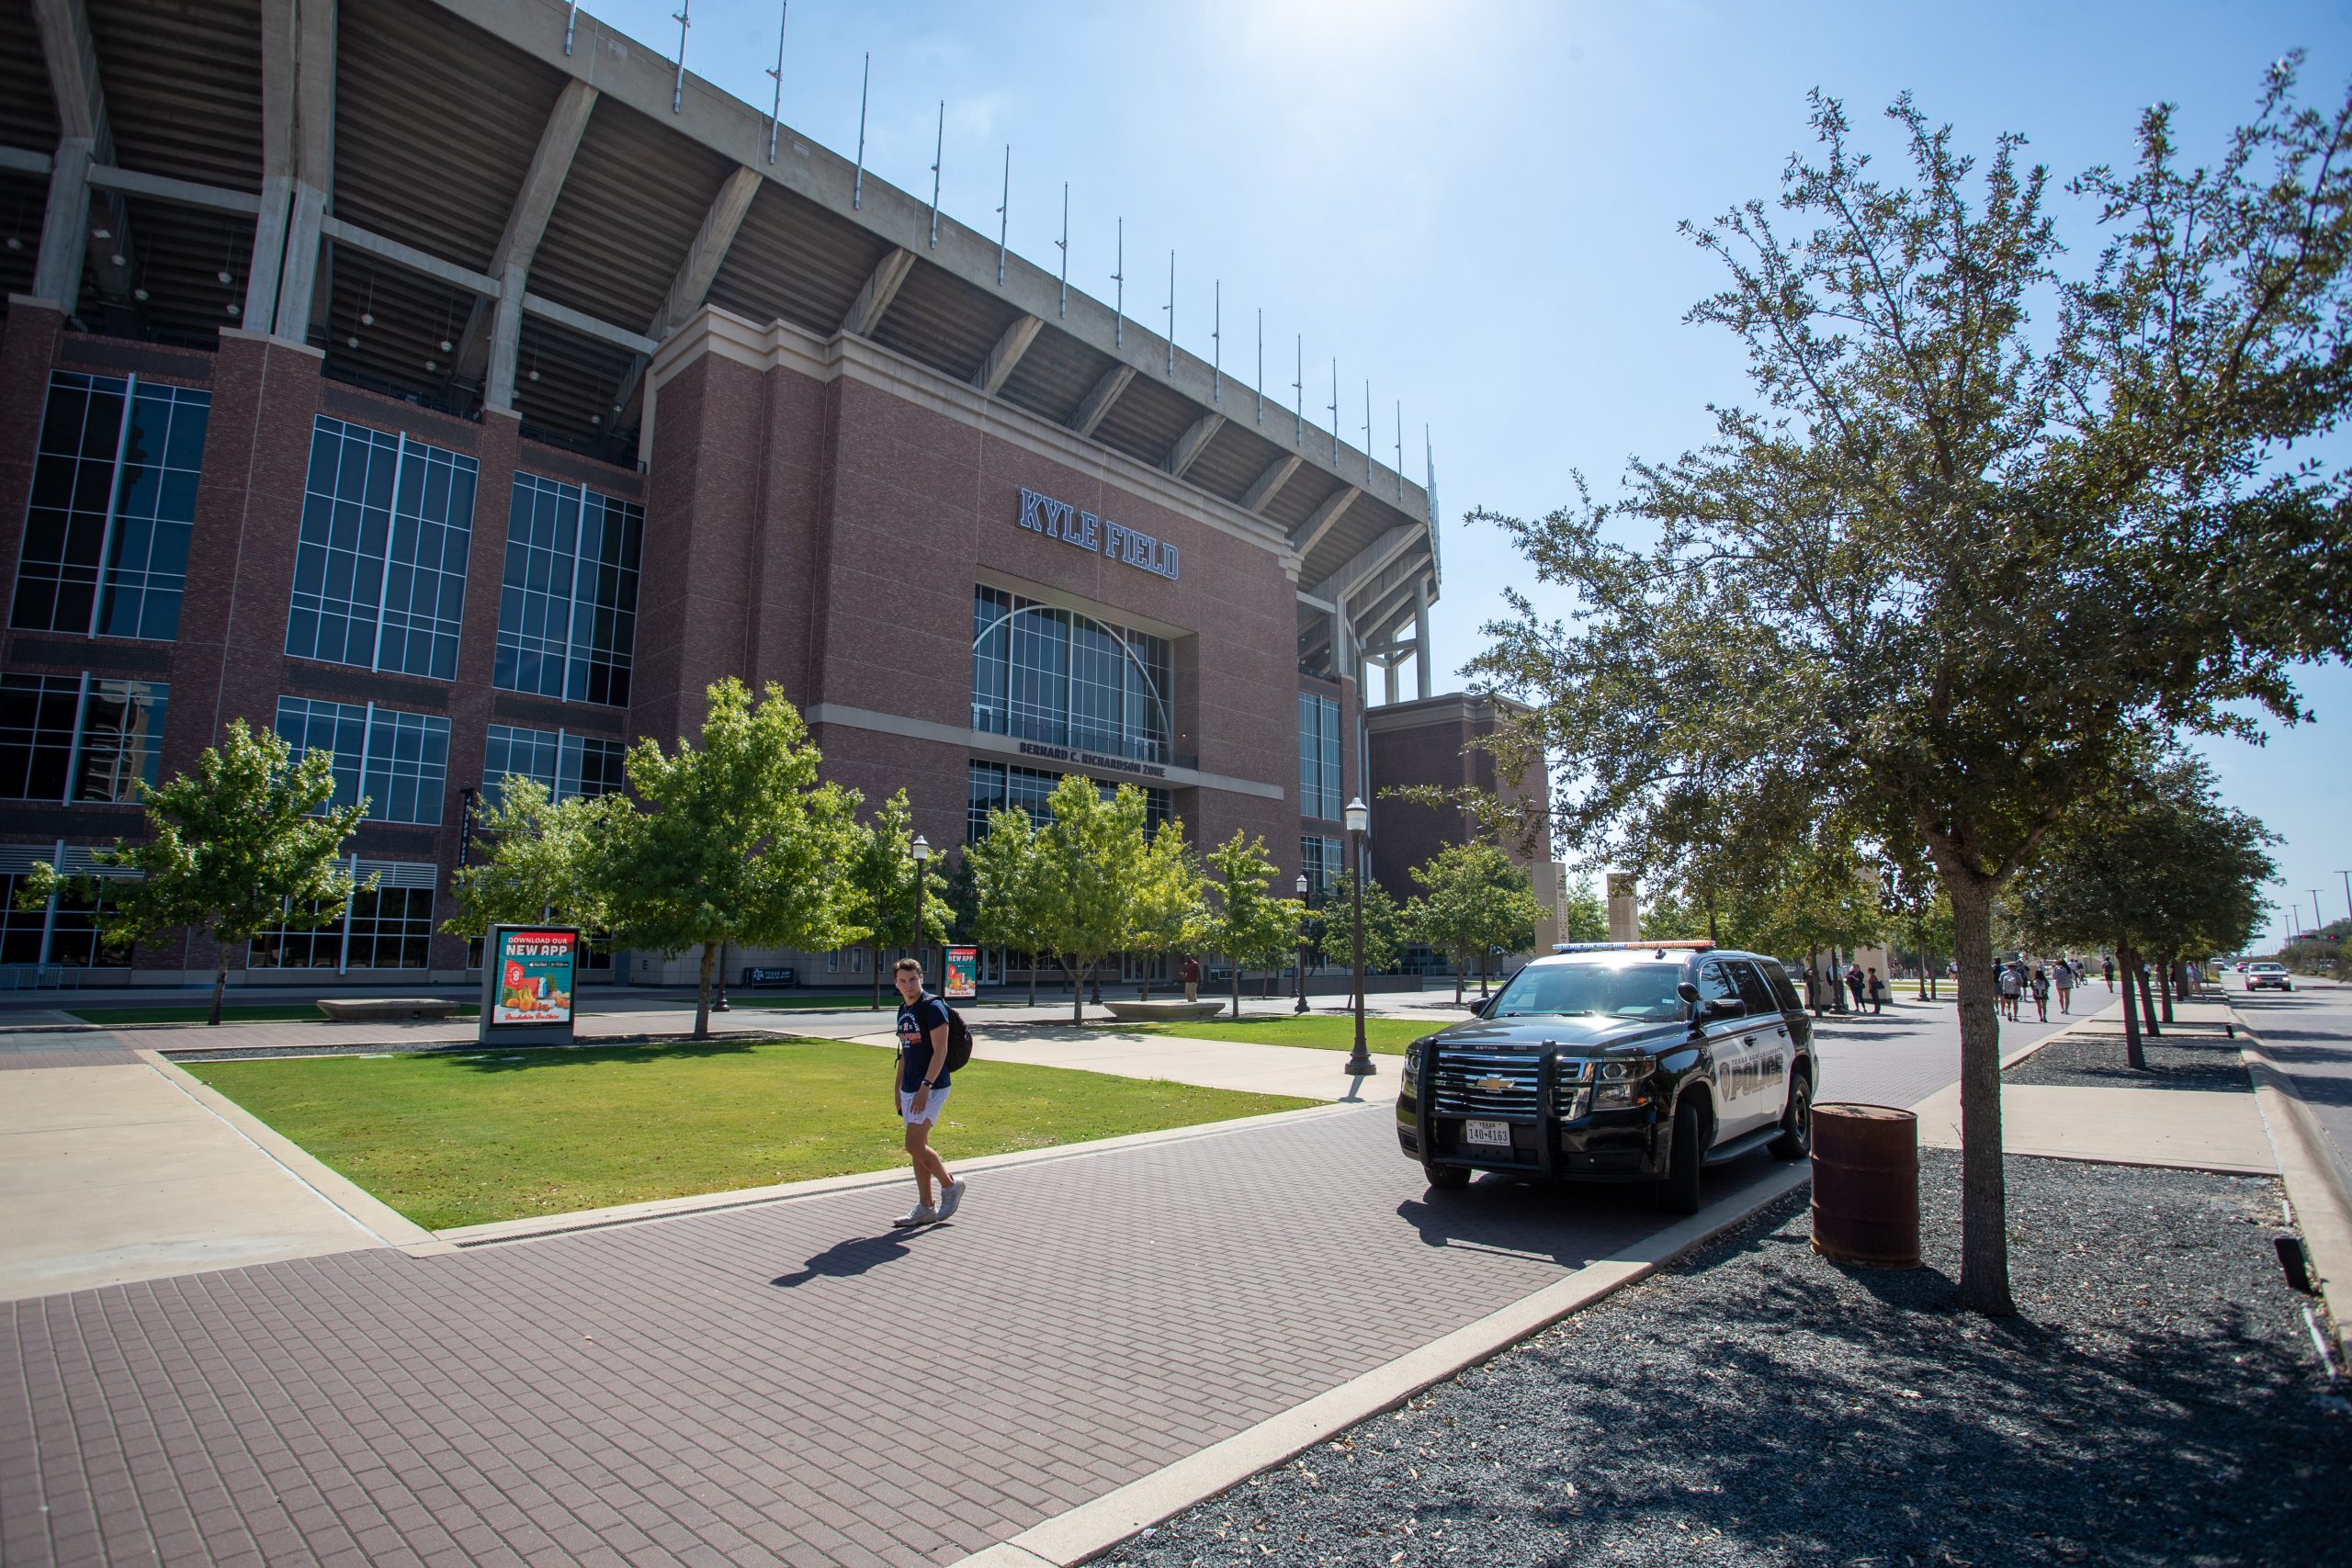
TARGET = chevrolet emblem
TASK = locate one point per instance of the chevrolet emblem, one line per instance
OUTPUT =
(1493, 1083)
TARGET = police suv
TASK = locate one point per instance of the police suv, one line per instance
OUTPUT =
(1617, 1062)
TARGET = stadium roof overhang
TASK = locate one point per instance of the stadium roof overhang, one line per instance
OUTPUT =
(513, 211)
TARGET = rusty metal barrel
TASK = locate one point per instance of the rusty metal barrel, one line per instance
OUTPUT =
(1866, 1185)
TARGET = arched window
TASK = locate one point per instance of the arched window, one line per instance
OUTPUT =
(1042, 672)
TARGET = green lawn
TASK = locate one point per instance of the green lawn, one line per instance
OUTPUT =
(840, 1001)
(235, 1013)
(1321, 1030)
(460, 1140)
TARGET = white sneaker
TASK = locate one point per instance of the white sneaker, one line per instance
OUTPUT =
(950, 1197)
(921, 1214)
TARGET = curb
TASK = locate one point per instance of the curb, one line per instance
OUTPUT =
(2315, 1190)
(1093, 1528)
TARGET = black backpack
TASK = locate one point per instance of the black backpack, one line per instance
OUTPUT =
(959, 1039)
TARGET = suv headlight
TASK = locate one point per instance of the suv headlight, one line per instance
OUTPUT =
(1623, 1082)
(1410, 1077)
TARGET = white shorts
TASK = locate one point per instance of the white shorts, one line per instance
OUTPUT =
(929, 1114)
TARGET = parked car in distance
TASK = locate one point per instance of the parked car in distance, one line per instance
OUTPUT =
(2269, 977)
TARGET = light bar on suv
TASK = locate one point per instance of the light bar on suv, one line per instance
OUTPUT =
(1681, 946)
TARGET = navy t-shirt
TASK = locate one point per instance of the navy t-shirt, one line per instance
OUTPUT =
(916, 1021)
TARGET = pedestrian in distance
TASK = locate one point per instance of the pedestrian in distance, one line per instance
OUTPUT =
(1192, 979)
(1854, 984)
(2108, 965)
(923, 1082)
(1878, 992)
(2010, 987)
(2040, 995)
(2064, 979)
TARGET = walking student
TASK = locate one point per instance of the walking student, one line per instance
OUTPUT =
(2010, 988)
(923, 1094)
(2064, 979)
(2040, 995)
(2108, 966)
(1878, 991)
(1854, 984)
(1192, 978)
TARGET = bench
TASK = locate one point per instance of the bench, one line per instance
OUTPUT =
(356, 1009)
(1163, 1012)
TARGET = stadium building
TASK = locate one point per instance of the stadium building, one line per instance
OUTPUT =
(462, 386)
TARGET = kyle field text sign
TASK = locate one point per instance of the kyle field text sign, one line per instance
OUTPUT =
(1084, 531)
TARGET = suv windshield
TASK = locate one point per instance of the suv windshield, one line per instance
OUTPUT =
(1643, 991)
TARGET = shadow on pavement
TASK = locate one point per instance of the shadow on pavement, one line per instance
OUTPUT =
(845, 1260)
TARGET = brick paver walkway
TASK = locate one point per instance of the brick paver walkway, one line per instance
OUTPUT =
(787, 1382)
(790, 1381)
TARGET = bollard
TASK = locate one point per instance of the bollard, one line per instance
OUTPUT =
(1866, 1185)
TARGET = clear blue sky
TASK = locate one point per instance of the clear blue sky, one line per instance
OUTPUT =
(1474, 204)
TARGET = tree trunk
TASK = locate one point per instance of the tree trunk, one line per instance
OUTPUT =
(2133, 1056)
(1033, 979)
(1484, 957)
(1076, 991)
(1461, 963)
(1237, 990)
(220, 981)
(2139, 971)
(2163, 977)
(1983, 1196)
(702, 996)
(1144, 994)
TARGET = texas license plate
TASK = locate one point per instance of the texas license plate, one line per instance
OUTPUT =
(1495, 1134)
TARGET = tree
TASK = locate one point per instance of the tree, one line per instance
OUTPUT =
(1089, 855)
(1916, 908)
(1252, 929)
(1171, 912)
(1472, 900)
(1330, 927)
(1954, 566)
(246, 843)
(2155, 869)
(881, 879)
(1011, 898)
(539, 861)
(733, 841)
(1584, 916)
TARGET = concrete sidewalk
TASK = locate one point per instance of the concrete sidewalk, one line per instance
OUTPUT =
(112, 1173)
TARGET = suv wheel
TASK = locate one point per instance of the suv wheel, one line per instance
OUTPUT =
(1447, 1178)
(1795, 1141)
(1678, 1191)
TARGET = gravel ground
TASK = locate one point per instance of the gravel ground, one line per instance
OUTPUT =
(2096, 1062)
(2157, 1400)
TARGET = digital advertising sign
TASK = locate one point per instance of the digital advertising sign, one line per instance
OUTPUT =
(528, 973)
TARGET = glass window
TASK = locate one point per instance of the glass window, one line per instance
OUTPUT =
(1318, 757)
(73, 936)
(399, 761)
(379, 573)
(1644, 991)
(36, 734)
(1321, 860)
(566, 764)
(122, 739)
(120, 726)
(1054, 675)
(387, 928)
(567, 606)
(105, 492)
(1751, 988)
(991, 785)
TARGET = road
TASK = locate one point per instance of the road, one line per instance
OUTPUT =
(2308, 1034)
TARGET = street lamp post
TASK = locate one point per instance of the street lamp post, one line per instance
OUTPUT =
(1359, 819)
(923, 858)
(1302, 944)
(720, 1005)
